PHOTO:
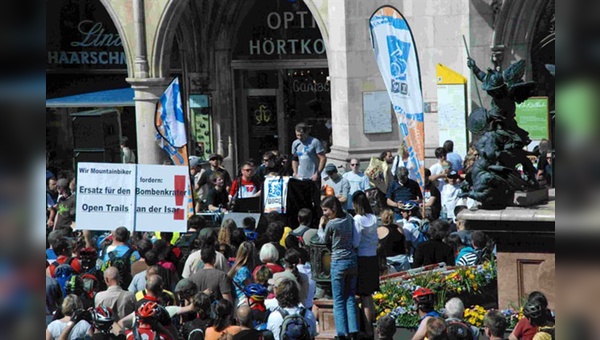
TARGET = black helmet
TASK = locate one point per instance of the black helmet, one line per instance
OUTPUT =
(533, 309)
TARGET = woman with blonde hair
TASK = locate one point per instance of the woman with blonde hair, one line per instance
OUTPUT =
(240, 273)
(224, 237)
(70, 308)
(392, 239)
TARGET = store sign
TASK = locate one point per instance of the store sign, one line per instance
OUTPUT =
(92, 35)
(279, 30)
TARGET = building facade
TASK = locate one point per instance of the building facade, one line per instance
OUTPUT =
(253, 69)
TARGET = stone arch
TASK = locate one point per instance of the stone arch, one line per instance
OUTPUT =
(320, 19)
(514, 32)
(127, 46)
(159, 60)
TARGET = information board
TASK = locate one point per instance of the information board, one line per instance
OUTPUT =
(532, 116)
(139, 197)
(452, 115)
(377, 112)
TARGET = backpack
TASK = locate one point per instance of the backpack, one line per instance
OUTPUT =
(423, 227)
(123, 264)
(300, 236)
(186, 244)
(457, 330)
(63, 273)
(294, 326)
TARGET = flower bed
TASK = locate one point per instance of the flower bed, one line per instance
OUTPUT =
(468, 283)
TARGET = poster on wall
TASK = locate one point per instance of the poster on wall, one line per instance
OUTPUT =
(377, 112)
(452, 108)
(532, 116)
(139, 197)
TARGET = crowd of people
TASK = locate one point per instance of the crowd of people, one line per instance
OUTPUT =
(247, 282)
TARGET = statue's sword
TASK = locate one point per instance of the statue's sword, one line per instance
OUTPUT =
(472, 74)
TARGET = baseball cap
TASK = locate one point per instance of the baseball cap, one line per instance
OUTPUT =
(330, 168)
(215, 156)
(453, 174)
(195, 161)
(62, 183)
(280, 277)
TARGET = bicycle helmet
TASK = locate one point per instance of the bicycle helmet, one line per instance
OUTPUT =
(533, 309)
(103, 318)
(409, 206)
(423, 295)
(74, 285)
(256, 291)
(148, 311)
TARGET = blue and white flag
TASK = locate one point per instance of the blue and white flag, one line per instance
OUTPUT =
(170, 120)
(396, 55)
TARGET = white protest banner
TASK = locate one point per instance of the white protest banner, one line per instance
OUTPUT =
(105, 196)
(275, 193)
(162, 198)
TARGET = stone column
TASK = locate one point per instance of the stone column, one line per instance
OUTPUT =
(147, 92)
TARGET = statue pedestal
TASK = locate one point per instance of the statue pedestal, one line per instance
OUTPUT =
(529, 198)
(525, 238)
(326, 326)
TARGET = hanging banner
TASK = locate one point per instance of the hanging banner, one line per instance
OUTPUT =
(396, 56)
(275, 193)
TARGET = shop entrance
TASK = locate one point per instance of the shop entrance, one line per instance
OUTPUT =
(269, 103)
(263, 113)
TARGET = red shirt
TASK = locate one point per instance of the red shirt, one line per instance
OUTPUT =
(524, 330)
(62, 259)
(248, 189)
(146, 332)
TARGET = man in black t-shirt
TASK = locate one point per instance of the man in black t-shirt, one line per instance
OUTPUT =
(245, 320)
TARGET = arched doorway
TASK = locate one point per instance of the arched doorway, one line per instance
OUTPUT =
(281, 78)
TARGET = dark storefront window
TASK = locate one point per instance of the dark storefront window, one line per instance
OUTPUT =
(307, 99)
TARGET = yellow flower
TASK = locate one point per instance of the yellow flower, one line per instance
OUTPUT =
(471, 276)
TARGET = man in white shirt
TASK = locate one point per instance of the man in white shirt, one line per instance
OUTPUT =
(358, 181)
(438, 172)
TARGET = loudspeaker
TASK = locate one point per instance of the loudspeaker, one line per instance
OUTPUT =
(97, 129)
(112, 155)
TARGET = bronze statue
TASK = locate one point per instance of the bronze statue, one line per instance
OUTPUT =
(494, 177)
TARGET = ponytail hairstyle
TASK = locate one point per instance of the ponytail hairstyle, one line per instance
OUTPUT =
(223, 310)
(361, 203)
(291, 260)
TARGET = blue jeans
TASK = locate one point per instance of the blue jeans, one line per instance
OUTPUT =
(343, 287)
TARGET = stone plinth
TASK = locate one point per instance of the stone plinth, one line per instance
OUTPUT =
(525, 238)
(326, 326)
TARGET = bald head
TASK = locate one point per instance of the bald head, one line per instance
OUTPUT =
(154, 284)
(244, 316)
(111, 276)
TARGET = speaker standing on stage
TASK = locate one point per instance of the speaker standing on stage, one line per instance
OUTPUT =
(311, 155)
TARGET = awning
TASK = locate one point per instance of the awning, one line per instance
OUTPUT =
(108, 98)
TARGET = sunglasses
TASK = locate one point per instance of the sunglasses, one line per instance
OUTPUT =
(266, 160)
(355, 164)
(246, 169)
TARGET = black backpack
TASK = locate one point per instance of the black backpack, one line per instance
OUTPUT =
(300, 236)
(123, 264)
(457, 330)
(187, 245)
(294, 326)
